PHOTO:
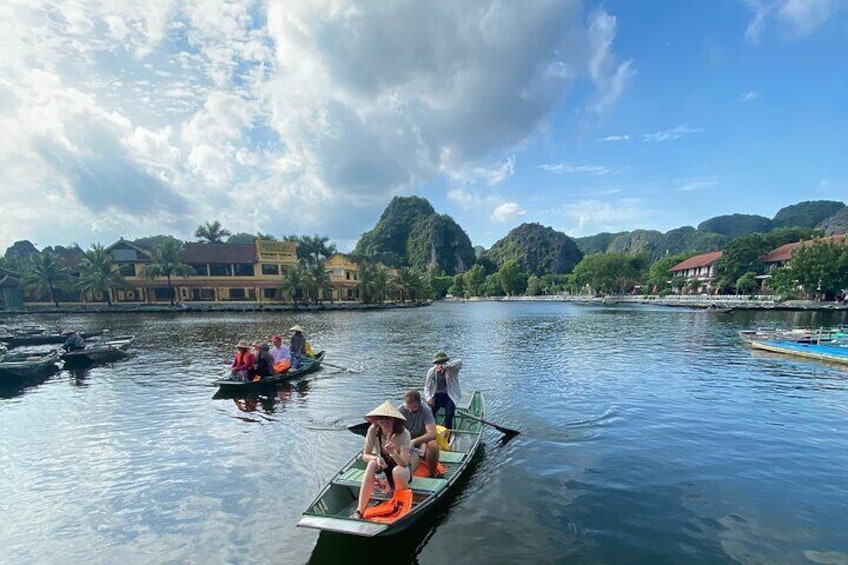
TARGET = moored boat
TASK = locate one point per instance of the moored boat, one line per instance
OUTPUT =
(829, 352)
(331, 510)
(235, 387)
(44, 338)
(798, 335)
(98, 352)
(17, 368)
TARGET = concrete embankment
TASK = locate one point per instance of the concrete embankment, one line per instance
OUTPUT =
(202, 307)
(718, 302)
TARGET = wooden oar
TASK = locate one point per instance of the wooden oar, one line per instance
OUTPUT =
(502, 429)
(340, 367)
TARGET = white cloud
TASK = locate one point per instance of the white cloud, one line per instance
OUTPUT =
(610, 78)
(152, 117)
(798, 18)
(591, 216)
(670, 134)
(573, 168)
(749, 95)
(615, 138)
(507, 212)
(691, 185)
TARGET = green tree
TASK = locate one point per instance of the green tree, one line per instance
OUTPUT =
(211, 232)
(318, 280)
(99, 273)
(366, 284)
(458, 286)
(534, 285)
(742, 255)
(383, 284)
(510, 277)
(166, 261)
(295, 282)
(410, 284)
(314, 248)
(821, 268)
(43, 273)
(608, 272)
(748, 284)
(659, 273)
(474, 279)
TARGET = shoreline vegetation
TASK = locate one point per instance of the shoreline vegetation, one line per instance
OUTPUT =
(720, 303)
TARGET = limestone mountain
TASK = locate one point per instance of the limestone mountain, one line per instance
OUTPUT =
(837, 223)
(734, 225)
(411, 233)
(537, 249)
(807, 214)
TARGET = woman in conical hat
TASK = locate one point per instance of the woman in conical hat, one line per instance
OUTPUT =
(387, 448)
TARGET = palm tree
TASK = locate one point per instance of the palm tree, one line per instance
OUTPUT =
(313, 249)
(294, 282)
(166, 262)
(365, 286)
(383, 284)
(319, 280)
(211, 232)
(409, 283)
(98, 273)
(44, 272)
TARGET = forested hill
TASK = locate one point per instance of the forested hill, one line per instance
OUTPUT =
(410, 233)
(712, 234)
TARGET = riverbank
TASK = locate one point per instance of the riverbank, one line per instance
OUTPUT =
(719, 303)
(207, 307)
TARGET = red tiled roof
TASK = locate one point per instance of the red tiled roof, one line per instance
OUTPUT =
(697, 261)
(784, 252)
(219, 253)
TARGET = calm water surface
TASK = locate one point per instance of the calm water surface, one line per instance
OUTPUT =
(648, 435)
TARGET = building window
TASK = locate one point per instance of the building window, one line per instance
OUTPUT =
(221, 270)
(200, 269)
(269, 293)
(127, 270)
(124, 255)
(162, 294)
(268, 269)
(244, 269)
(237, 294)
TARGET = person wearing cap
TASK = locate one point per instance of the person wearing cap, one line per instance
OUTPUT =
(297, 346)
(441, 386)
(280, 353)
(73, 342)
(387, 446)
(242, 362)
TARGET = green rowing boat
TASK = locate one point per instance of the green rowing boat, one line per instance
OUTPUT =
(333, 506)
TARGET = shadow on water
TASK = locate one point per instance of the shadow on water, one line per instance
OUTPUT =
(12, 385)
(402, 547)
(266, 401)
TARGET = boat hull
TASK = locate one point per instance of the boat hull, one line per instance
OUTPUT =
(98, 352)
(829, 353)
(234, 388)
(331, 509)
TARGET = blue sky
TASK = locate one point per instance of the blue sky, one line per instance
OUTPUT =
(133, 119)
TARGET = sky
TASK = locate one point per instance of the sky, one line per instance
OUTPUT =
(130, 119)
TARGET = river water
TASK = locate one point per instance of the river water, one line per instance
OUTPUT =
(649, 435)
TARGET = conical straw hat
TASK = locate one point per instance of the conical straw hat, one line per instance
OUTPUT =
(385, 409)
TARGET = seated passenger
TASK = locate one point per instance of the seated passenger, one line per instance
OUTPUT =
(386, 449)
(264, 366)
(281, 354)
(422, 429)
(242, 362)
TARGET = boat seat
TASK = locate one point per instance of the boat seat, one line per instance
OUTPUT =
(353, 478)
(451, 456)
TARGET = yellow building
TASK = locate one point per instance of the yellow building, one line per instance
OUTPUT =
(226, 272)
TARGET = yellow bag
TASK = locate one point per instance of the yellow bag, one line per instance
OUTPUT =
(443, 438)
(309, 350)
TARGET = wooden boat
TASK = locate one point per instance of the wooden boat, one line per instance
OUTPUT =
(44, 338)
(235, 387)
(821, 335)
(829, 352)
(98, 352)
(333, 506)
(17, 368)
